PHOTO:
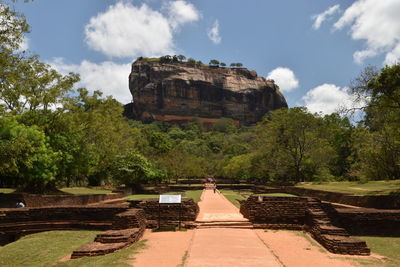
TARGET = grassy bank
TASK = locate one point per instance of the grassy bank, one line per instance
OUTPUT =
(357, 188)
(194, 194)
(47, 248)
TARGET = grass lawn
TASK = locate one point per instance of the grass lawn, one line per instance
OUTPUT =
(194, 194)
(232, 195)
(369, 188)
(7, 190)
(85, 190)
(385, 246)
(47, 248)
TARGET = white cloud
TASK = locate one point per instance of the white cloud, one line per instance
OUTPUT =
(328, 98)
(125, 30)
(213, 33)
(108, 77)
(320, 18)
(393, 57)
(284, 78)
(181, 12)
(375, 22)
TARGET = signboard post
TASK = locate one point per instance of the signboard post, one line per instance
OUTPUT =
(169, 199)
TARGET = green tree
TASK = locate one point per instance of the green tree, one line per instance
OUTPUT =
(296, 148)
(191, 61)
(213, 62)
(222, 64)
(181, 58)
(133, 168)
(27, 160)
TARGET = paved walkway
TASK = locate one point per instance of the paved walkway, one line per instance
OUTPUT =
(226, 246)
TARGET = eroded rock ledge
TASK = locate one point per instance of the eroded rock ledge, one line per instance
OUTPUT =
(179, 92)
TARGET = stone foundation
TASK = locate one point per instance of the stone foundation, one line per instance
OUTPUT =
(362, 221)
(296, 213)
(128, 229)
(168, 214)
(15, 223)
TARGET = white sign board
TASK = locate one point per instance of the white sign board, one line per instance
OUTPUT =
(170, 199)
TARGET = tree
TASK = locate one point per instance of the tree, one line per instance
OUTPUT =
(27, 160)
(181, 58)
(13, 26)
(222, 64)
(213, 62)
(377, 144)
(295, 147)
(133, 168)
(239, 65)
(191, 61)
(29, 84)
(233, 65)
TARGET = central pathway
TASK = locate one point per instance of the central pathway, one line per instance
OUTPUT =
(223, 238)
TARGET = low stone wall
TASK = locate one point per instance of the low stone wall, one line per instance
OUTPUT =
(32, 200)
(128, 227)
(376, 202)
(275, 212)
(15, 223)
(362, 221)
(301, 213)
(167, 213)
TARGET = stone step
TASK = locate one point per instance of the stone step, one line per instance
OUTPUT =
(224, 224)
(332, 230)
(119, 236)
(97, 249)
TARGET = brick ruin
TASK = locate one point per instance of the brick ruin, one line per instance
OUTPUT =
(329, 225)
(127, 228)
(123, 223)
(170, 214)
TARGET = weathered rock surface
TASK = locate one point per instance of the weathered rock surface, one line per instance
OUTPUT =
(180, 92)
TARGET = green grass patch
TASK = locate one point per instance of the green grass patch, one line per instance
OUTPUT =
(116, 259)
(385, 246)
(43, 249)
(85, 190)
(141, 196)
(232, 196)
(357, 188)
(194, 194)
(47, 248)
(7, 190)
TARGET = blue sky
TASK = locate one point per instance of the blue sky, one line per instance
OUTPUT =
(312, 49)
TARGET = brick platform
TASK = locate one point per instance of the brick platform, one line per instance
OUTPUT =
(297, 213)
(128, 229)
(168, 213)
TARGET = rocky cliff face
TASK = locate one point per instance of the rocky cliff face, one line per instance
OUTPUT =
(179, 92)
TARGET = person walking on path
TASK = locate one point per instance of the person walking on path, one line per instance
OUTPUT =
(215, 187)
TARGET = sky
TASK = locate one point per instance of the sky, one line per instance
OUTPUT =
(311, 49)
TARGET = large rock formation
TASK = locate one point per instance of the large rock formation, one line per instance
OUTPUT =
(180, 91)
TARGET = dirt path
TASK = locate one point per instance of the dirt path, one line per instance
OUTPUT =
(164, 249)
(226, 246)
(296, 251)
(229, 242)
